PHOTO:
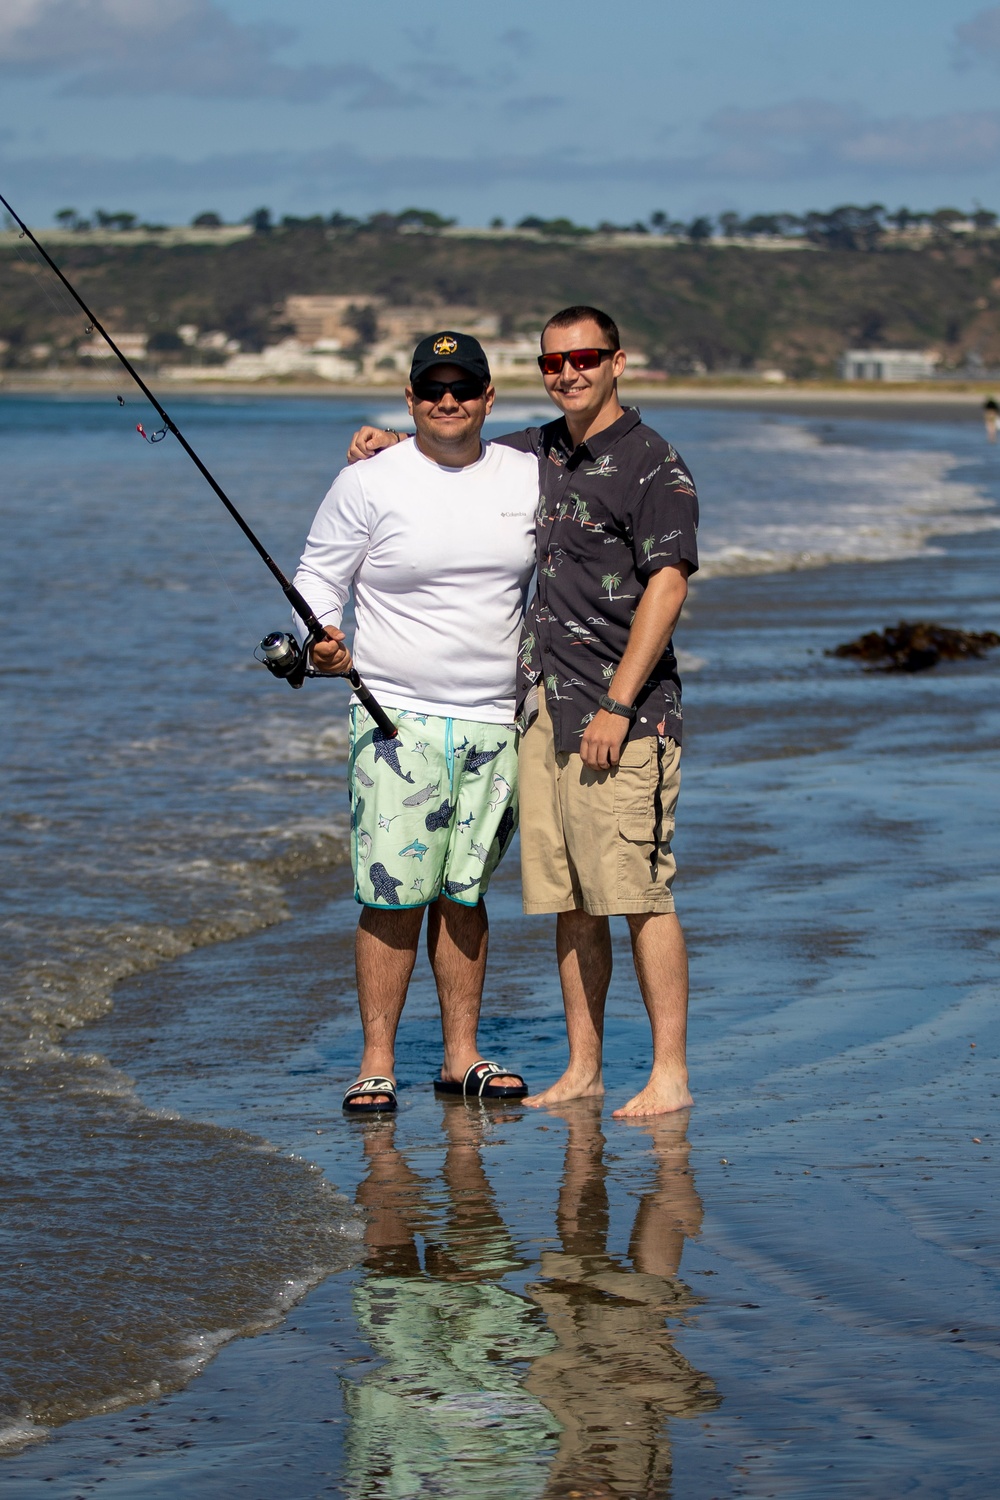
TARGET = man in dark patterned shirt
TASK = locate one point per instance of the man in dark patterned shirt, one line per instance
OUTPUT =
(600, 704)
(599, 701)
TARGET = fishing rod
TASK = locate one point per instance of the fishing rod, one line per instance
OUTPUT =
(282, 654)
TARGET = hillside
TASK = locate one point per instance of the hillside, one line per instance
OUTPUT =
(687, 306)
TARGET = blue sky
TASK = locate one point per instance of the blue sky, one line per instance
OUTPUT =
(172, 107)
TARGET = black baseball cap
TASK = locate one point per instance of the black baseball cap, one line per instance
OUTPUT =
(450, 348)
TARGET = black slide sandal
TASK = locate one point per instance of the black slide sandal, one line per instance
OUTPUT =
(477, 1083)
(353, 1105)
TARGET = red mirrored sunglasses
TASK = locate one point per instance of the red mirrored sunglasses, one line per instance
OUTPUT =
(580, 359)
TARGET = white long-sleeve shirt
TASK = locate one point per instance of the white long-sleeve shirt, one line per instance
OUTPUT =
(439, 560)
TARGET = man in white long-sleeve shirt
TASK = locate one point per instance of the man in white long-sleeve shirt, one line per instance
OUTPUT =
(435, 538)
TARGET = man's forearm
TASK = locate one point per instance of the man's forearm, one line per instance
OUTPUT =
(655, 621)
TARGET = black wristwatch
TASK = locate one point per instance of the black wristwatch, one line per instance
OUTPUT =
(614, 707)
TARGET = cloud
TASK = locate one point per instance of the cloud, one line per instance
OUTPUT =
(192, 48)
(979, 39)
(531, 104)
(518, 41)
(820, 138)
(802, 120)
(804, 141)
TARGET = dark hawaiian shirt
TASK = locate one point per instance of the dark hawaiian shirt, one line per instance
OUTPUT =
(610, 512)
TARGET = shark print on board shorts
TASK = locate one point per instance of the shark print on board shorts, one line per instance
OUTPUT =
(433, 811)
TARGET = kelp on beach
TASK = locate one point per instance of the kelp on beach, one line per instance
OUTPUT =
(916, 647)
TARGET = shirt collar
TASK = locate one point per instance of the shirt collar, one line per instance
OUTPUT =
(603, 440)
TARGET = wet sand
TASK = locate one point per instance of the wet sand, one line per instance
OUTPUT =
(792, 1292)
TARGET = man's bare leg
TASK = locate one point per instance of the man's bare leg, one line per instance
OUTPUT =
(661, 966)
(385, 950)
(583, 947)
(457, 943)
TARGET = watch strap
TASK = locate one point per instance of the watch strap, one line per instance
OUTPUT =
(612, 706)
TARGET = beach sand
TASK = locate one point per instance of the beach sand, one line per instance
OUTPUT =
(791, 1292)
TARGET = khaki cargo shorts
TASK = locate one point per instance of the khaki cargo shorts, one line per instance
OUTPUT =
(587, 836)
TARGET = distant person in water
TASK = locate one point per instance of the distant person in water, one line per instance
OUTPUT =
(599, 700)
(435, 538)
(991, 416)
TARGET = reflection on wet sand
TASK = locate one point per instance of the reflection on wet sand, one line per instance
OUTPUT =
(615, 1375)
(448, 1411)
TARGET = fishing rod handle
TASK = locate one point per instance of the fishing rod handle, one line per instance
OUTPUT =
(370, 705)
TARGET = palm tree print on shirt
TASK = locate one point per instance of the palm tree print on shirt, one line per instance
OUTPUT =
(610, 581)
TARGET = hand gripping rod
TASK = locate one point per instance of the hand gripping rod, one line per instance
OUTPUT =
(291, 593)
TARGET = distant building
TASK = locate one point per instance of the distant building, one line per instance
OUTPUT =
(514, 356)
(325, 319)
(132, 345)
(888, 364)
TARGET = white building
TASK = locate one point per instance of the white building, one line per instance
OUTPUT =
(132, 345)
(287, 359)
(888, 364)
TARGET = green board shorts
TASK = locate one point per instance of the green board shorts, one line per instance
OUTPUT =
(433, 811)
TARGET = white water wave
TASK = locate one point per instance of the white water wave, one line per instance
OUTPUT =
(800, 503)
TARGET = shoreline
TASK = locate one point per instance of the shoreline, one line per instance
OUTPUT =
(918, 402)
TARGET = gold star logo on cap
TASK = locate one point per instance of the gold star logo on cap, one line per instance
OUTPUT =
(445, 344)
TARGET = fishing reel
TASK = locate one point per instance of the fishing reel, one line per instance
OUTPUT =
(284, 657)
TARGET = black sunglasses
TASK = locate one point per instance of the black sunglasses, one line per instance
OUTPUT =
(469, 389)
(580, 359)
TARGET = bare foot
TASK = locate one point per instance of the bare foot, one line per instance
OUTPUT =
(569, 1086)
(661, 1096)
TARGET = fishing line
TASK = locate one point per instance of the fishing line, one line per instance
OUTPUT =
(60, 301)
(61, 304)
(282, 654)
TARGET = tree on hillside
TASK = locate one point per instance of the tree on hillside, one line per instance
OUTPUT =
(206, 221)
(773, 224)
(699, 230)
(553, 226)
(115, 221)
(422, 218)
(847, 228)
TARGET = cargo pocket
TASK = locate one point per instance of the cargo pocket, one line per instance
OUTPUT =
(634, 786)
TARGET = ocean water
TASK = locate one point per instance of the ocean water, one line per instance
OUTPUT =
(161, 790)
